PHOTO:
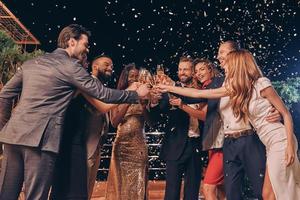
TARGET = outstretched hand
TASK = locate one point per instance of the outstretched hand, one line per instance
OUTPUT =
(155, 96)
(176, 102)
(162, 88)
(134, 86)
(143, 91)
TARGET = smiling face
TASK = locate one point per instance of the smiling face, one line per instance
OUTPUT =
(224, 50)
(185, 71)
(133, 76)
(103, 67)
(203, 72)
(79, 48)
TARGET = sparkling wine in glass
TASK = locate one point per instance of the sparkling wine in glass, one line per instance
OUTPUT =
(169, 81)
(171, 97)
(160, 70)
(145, 77)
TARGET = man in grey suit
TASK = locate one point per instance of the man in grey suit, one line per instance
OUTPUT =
(85, 128)
(32, 135)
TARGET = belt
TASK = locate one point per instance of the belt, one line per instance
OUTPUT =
(236, 135)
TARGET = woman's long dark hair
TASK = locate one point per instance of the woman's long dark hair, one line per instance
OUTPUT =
(123, 80)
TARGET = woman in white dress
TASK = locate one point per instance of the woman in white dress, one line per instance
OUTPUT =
(252, 97)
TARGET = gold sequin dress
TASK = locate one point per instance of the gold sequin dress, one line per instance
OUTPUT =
(128, 172)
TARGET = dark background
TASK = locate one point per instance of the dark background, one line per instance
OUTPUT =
(159, 32)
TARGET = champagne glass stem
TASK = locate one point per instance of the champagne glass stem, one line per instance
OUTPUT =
(172, 97)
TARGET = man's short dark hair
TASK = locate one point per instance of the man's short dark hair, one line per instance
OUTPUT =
(185, 59)
(72, 31)
(100, 56)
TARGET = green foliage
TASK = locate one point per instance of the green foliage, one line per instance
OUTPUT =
(288, 90)
(6, 41)
(11, 57)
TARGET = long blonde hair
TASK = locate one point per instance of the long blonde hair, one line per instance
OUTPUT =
(242, 73)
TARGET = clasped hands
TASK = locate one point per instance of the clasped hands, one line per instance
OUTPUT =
(145, 91)
(153, 93)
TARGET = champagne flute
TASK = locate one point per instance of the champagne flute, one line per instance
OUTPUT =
(172, 97)
(160, 73)
(160, 70)
(169, 81)
(144, 76)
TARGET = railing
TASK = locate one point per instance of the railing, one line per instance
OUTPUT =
(156, 166)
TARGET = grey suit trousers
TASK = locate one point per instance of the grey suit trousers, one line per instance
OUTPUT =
(92, 165)
(30, 162)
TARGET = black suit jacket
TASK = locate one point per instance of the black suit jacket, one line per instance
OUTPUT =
(175, 125)
(213, 120)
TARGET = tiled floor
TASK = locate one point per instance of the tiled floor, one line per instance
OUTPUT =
(156, 191)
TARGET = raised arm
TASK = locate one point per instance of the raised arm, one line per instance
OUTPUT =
(195, 93)
(99, 105)
(199, 113)
(78, 77)
(272, 96)
(117, 114)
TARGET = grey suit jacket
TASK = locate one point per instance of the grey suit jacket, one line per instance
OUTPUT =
(47, 84)
(96, 128)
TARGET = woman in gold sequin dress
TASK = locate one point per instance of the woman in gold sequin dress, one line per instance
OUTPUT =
(128, 173)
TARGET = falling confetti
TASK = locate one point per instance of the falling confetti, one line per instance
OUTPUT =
(157, 32)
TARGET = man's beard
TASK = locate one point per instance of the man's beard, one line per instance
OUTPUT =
(82, 57)
(84, 60)
(186, 80)
(103, 77)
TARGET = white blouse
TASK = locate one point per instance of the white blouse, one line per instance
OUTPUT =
(231, 123)
(260, 108)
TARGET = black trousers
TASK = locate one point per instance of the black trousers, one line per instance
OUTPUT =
(243, 156)
(188, 164)
(70, 177)
(29, 165)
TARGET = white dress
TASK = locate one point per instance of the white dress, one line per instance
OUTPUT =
(285, 180)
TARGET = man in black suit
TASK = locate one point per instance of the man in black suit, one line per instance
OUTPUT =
(32, 135)
(180, 149)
